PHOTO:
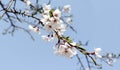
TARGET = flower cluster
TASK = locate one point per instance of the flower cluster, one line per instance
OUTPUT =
(65, 50)
(52, 21)
(55, 26)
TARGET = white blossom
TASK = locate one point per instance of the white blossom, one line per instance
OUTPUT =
(48, 39)
(69, 20)
(27, 12)
(73, 43)
(53, 24)
(67, 8)
(49, 27)
(45, 19)
(61, 28)
(54, 20)
(28, 2)
(71, 52)
(64, 50)
(34, 29)
(46, 8)
(97, 52)
(57, 14)
(110, 61)
(45, 16)
(88, 68)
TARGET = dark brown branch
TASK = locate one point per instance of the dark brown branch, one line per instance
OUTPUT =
(24, 14)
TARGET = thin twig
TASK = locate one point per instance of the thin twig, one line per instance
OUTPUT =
(80, 62)
(88, 62)
(9, 5)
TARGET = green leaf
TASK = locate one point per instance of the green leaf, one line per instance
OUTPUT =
(51, 12)
(68, 39)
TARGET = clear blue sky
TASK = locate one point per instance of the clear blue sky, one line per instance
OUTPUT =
(95, 20)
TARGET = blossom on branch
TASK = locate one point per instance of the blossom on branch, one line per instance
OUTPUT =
(34, 29)
(97, 52)
(57, 14)
(65, 50)
(69, 20)
(67, 8)
(46, 8)
(47, 38)
(54, 21)
(28, 2)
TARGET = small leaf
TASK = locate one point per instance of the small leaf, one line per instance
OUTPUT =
(51, 12)
(68, 39)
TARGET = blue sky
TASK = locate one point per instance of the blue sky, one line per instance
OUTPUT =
(95, 20)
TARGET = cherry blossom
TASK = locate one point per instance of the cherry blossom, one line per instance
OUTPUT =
(28, 2)
(47, 38)
(69, 20)
(54, 22)
(97, 52)
(67, 8)
(46, 8)
(64, 50)
(57, 14)
(34, 29)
